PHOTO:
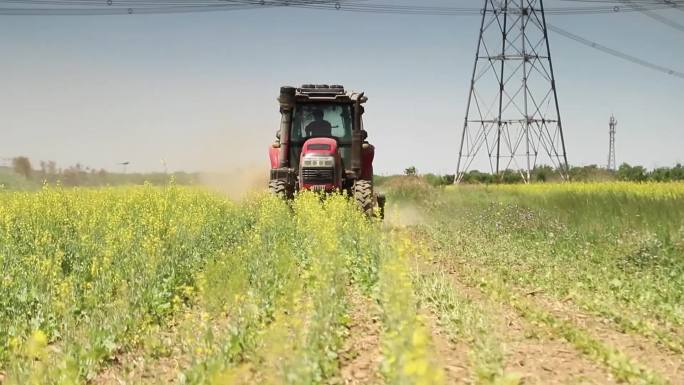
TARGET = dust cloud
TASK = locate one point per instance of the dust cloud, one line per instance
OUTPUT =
(403, 214)
(238, 183)
(233, 158)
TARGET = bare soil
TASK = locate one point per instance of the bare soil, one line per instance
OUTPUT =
(136, 367)
(667, 364)
(451, 355)
(536, 357)
(542, 359)
(360, 356)
(163, 364)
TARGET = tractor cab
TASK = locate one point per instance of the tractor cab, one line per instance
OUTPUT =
(321, 144)
(333, 121)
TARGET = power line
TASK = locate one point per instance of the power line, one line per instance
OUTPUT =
(109, 7)
(655, 16)
(615, 53)
(671, 4)
(123, 7)
(112, 7)
(452, 11)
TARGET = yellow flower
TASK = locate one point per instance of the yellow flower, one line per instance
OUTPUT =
(36, 346)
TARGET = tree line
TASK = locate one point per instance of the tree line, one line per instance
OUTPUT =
(80, 175)
(589, 173)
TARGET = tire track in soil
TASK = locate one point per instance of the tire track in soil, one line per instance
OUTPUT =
(132, 369)
(141, 367)
(542, 359)
(451, 355)
(360, 355)
(537, 358)
(666, 363)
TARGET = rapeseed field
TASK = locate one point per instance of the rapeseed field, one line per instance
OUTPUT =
(534, 284)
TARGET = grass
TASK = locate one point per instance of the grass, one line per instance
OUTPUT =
(616, 250)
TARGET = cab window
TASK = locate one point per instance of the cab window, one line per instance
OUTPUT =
(322, 119)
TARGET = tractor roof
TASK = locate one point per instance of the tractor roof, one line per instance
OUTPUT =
(327, 93)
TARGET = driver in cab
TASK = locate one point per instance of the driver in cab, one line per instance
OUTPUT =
(319, 127)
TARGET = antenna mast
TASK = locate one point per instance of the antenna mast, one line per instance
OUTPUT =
(612, 166)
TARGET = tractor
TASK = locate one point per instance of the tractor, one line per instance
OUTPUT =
(321, 146)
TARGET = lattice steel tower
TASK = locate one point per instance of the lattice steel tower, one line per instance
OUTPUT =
(612, 166)
(512, 111)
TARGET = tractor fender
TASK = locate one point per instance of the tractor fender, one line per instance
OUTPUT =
(367, 155)
(274, 156)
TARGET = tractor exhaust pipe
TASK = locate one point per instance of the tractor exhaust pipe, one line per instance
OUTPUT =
(287, 102)
(357, 136)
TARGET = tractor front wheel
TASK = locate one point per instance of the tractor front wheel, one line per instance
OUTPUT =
(363, 195)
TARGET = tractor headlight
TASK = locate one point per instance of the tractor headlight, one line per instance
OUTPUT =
(319, 161)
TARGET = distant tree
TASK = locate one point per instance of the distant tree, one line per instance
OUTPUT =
(438, 180)
(476, 176)
(667, 174)
(74, 176)
(433, 179)
(51, 167)
(449, 178)
(633, 174)
(511, 176)
(590, 173)
(677, 172)
(22, 166)
(102, 176)
(661, 174)
(411, 171)
(542, 173)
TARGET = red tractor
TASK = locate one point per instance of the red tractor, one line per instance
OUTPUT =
(321, 145)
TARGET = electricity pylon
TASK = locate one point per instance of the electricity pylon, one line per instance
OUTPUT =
(512, 110)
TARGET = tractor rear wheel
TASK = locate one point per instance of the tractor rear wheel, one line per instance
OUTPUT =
(363, 195)
(278, 187)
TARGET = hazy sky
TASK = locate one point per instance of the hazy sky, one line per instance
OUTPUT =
(199, 89)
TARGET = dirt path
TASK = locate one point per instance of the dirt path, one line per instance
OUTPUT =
(360, 356)
(131, 369)
(663, 361)
(136, 368)
(163, 360)
(532, 356)
(451, 355)
(540, 358)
